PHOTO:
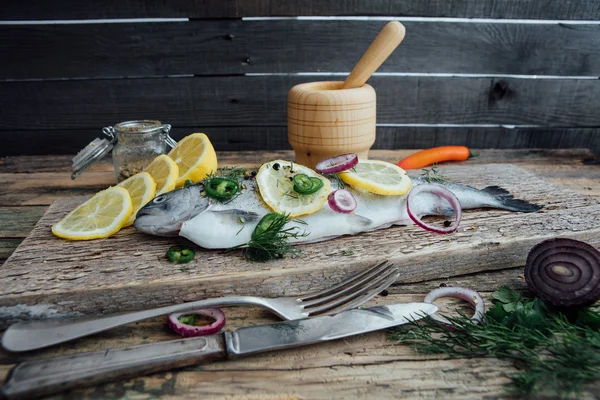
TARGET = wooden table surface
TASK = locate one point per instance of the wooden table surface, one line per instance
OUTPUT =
(365, 366)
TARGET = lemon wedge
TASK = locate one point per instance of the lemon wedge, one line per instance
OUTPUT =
(99, 217)
(274, 180)
(141, 188)
(195, 157)
(377, 177)
(165, 172)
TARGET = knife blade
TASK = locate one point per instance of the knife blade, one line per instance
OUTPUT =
(42, 377)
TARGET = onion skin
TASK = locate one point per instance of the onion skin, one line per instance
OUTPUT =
(468, 295)
(564, 272)
(190, 330)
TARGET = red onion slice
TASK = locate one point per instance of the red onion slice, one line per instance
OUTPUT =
(444, 194)
(341, 201)
(468, 295)
(190, 330)
(337, 164)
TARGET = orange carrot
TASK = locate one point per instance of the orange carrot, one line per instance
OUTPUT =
(434, 155)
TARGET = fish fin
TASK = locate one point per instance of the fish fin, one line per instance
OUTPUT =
(359, 219)
(237, 214)
(509, 202)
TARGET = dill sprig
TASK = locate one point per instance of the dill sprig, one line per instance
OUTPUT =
(233, 173)
(335, 178)
(556, 352)
(271, 241)
(433, 174)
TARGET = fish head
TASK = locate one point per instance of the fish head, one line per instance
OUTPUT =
(164, 215)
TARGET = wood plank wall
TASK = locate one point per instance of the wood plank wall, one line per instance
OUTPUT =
(485, 73)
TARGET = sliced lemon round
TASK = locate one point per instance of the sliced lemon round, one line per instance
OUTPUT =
(165, 172)
(276, 188)
(141, 188)
(195, 157)
(99, 217)
(378, 177)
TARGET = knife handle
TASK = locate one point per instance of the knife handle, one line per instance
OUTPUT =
(32, 379)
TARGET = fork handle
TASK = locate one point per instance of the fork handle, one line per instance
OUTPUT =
(33, 335)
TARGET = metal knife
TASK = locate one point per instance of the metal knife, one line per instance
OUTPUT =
(47, 376)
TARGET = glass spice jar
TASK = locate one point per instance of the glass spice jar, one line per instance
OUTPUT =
(138, 143)
(134, 145)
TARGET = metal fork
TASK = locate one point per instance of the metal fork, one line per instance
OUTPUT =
(351, 293)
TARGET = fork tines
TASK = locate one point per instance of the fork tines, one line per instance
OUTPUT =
(352, 292)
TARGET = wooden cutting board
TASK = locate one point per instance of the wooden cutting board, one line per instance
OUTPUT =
(48, 276)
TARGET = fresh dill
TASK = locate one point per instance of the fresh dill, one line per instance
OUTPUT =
(557, 352)
(433, 174)
(335, 178)
(270, 238)
(233, 173)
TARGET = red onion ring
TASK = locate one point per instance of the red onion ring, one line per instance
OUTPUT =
(468, 295)
(444, 194)
(190, 330)
(337, 164)
(341, 201)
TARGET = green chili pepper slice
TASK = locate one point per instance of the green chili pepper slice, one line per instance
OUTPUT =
(221, 188)
(264, 224)
(306, 185)
(317, 184)
(180, 254)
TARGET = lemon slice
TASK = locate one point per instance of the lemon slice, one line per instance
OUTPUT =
(165, 172)
(195, 156)
(141, 188)
(378, 177)
(99, 217)
(277, 190)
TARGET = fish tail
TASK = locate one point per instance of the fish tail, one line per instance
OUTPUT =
(508, 202)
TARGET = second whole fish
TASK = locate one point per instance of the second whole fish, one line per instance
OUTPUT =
(188, 213)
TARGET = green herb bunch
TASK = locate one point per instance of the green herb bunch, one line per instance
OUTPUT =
(233, 173)
(556, 351)
(271, 242)
(433, 174)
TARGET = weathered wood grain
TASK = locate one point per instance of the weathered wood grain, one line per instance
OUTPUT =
(126, 271)
(234, 101)
(7, 246)
(89, 9)
(284, 46)
(548, 158)
(256, 138)
(356, 367)
(17, 222)
(362, 367)
(26, 183)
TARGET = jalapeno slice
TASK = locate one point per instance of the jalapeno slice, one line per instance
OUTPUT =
(318, 183)
(221, 188)
(303, 184)
(180, 254)
(264, 224)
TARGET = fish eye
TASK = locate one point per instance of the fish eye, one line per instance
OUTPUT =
(159, 199)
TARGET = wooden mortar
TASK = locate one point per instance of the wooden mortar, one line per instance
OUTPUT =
(326, 119)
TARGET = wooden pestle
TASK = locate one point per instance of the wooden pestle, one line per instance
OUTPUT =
(384, 44)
